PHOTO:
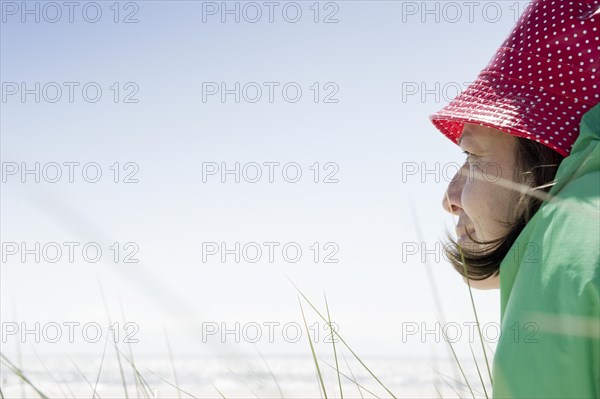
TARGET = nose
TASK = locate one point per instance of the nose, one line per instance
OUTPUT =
(452, 197)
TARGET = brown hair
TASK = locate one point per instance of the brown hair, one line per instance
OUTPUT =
(535, 167)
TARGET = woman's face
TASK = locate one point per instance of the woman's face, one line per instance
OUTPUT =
(483, 205)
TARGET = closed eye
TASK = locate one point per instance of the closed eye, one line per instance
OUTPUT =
(469, 155)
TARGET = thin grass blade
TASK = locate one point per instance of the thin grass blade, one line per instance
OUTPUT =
(100, 369)
(83, 375)
(216, 389)
(242, 381)
(122, 374)
(19, 373)
(172, 362)
(353, 377)
(350, 379)
(344, 342)
(487, 363)
(270, 372)
(457, 361)
(312, 349)
(337, 366)
(173, 385)
(48, 371)
(478, 371)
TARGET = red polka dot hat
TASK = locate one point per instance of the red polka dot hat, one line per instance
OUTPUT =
(540, 82)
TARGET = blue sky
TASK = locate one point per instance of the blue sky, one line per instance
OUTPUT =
(161, 132)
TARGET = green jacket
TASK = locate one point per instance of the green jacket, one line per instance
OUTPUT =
(550, 287)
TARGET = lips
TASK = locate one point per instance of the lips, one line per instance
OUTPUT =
(463, 232)
(462, 238)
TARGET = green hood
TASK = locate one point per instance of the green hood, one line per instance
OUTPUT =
(585, 154)
(550, 286)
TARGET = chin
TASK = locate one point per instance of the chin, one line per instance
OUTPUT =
(490, 283)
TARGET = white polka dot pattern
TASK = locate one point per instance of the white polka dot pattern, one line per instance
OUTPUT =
(540, 82)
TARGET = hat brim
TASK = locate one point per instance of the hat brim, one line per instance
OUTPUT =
(514, 107)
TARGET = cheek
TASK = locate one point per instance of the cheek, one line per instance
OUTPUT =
(473, 200)
(486, 204)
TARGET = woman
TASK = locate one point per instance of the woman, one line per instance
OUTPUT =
(532, 226)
